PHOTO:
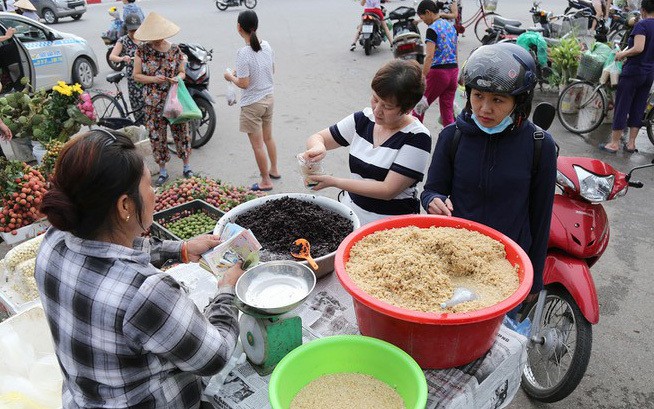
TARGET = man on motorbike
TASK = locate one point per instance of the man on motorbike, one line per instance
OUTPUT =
(372, 6)
(494, 166)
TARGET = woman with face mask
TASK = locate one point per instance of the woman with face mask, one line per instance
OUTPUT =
(483, 167)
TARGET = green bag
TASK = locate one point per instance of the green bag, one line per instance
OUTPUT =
(190, 110)
(531, 40)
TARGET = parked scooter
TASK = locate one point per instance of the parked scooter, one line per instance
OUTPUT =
(371, 32)
(560, 338)
(581, 5)
(197, 83)
(407, 42)
(223, 4)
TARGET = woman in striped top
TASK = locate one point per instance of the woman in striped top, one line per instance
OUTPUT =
(389, 149)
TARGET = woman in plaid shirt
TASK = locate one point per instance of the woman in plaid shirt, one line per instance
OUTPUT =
(126, 335)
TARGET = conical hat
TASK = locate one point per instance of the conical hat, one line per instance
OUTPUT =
(155, 27)
(25, 5)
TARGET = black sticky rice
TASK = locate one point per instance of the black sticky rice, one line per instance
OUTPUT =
(278, 223)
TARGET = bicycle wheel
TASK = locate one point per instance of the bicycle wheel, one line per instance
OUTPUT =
(619, 38)
(581, 107)
(649, 124)
(108, 111)
(484, 22)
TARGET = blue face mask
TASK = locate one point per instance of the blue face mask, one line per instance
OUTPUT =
(505, 123)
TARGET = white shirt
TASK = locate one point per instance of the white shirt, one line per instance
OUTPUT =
(258, 66)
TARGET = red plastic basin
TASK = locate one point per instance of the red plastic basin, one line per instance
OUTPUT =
(434, 340)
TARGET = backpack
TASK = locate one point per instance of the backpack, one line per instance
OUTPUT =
(539, 135)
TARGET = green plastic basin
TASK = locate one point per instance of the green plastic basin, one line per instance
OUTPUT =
(348, 353)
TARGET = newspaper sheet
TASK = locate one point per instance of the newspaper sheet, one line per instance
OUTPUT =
(489, 382)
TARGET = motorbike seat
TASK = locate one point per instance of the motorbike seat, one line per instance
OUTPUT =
(501, 21)
(402, 13)
(586, 4)
(515, 30)
(115, 77)
(407, 35)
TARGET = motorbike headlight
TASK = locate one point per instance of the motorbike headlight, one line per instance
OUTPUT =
(563, 181)
(592, 187)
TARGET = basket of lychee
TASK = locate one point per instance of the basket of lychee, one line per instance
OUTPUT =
(22, 188)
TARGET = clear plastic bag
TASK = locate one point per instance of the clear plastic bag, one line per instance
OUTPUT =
(309, 168)
(421, 107)
(230, 95)
(172, 108)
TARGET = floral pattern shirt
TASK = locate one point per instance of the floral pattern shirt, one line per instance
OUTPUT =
(155, 62)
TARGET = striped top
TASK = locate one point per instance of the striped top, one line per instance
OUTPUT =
(406, 152)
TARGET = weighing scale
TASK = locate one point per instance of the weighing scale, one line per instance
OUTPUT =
(266, 294)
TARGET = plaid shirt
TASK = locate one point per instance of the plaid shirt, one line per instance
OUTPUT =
(125, 333)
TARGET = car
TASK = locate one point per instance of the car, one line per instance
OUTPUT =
(52, 10)
(44, 55)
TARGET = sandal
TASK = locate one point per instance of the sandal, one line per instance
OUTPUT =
(353, 46)
(161, 180)
(624, 146)
(188, 174)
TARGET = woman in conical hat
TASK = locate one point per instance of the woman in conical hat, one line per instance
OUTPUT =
(26, 9)
(157, 64)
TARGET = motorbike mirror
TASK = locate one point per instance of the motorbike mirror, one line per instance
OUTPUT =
(544, 115)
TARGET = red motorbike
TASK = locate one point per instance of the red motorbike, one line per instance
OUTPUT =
(560, 337)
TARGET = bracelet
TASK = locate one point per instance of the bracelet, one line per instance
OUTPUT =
(185, 258)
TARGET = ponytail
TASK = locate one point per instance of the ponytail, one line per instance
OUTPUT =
(249, 22)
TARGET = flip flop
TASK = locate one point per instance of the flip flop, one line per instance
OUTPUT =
(603, 147)
(275, 176)
(256, 188)
(624, 146)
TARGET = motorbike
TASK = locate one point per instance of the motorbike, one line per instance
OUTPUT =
(197, 83)
(223, 4)
(110, 42)
(407, 42)
(371, 32)
(580, 5)
(560, 336)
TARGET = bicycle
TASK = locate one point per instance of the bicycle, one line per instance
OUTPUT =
(482, 19)
(112, 112)
(582, 106)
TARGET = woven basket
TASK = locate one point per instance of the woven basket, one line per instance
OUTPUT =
(590, 68)
(490, 5)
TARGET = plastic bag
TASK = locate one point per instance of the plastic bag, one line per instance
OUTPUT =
(459, 100)
(531, 40)
(190, 110)
(172, 107)
(230, 95)
(421, 107)
(615, 69)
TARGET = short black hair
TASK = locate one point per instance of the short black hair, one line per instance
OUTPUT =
(401, 81)
(647, 5)
(434, 7)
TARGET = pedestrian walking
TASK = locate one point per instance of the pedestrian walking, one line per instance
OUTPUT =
(157, 64)
(255, 66)
(26, 9)
(440, 66)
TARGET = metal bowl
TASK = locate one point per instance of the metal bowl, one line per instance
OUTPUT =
(326, 262)
(275, 287)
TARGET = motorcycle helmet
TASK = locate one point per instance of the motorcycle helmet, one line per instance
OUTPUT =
(502, 68)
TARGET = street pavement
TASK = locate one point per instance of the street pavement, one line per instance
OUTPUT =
(318, 81)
